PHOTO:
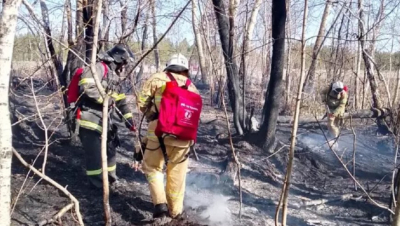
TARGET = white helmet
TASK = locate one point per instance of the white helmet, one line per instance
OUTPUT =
(178, 60)
(338, 87)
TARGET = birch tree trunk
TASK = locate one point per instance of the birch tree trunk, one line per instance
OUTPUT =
(396, 91)
(199, 44)
(289, 58)
(286, 185)
(96, 24)
(143, 47)
(357, 82)
(154, 25)
(8, 24)
(310, 80)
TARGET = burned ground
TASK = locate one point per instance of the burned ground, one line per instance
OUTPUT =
(209, 200)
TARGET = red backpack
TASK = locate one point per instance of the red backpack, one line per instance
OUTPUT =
(179, 112)
(73, 87)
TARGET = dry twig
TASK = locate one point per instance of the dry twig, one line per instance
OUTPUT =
(234, 156)
(45, 129)
(57, 216)
(54, 183)
(354, 151)
(326, 200)
(350, 174)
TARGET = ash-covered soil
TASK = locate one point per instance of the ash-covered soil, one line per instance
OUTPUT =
(317, 175)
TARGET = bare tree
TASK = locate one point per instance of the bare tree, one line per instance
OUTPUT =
(266, 135)
(199, 43)
(289, 56)
(143, 45)
(396, 91)
(45, 24)
(124, 15)
(8, 24)
(286, 185)
(226, 35)
(105, 39)
(88, 23)
(310, 80)
(357, 77)
(368, 62)
(154, 26)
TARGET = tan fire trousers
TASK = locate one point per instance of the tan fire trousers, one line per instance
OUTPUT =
(334, 124)
(153, 163)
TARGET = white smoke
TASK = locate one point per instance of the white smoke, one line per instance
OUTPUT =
(210, 206)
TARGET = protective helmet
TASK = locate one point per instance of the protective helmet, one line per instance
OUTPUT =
(337, 86)
(121, 54)
(177, 62)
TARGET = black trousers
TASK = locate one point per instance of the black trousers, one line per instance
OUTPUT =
(91, 141)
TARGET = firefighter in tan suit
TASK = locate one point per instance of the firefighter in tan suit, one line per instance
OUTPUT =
(170, 199)
(337, 98)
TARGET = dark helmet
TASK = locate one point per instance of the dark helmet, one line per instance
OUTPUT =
(121, 54)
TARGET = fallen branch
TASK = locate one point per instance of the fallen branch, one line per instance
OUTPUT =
(54, 183)
(323, 201)
(57, 216)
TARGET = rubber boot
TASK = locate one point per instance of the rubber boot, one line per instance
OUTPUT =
(160, 210)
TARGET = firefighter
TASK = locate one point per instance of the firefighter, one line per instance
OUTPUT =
(336, 101)
(108, 68)
(168, 201)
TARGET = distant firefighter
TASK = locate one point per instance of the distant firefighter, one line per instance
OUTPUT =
(336, 101)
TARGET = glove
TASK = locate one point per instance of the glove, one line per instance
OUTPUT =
(138, 155)
(130, 124)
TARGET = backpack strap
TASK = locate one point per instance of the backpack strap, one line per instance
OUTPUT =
(171, 77)
(163, 149)
(187, 84)
(105, 69)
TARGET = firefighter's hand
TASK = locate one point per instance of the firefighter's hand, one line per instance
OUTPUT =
(130, 124)
(136, 166)
(139, 151)
(331, 115)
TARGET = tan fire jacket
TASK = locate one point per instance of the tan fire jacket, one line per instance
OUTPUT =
(150, 97)
(337, 106)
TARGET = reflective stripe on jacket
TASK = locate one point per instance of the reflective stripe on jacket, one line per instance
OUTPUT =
(91, 110)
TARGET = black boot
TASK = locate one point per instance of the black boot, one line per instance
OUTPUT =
(160, 210)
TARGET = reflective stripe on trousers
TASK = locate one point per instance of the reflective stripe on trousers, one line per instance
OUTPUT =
(90, 125)
(99, 171)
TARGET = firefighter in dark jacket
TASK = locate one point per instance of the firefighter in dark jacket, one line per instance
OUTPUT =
(108, 69)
